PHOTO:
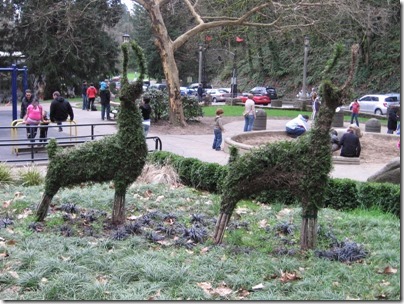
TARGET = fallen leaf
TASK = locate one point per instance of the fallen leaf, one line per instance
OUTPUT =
(288, 276)
(382, 297)
(44, 280)
(390, 270)
(6, 204)
(242, 293)
(263, 223)
(65, 258)
(206, 286)
(102, 279)
(11, 242)
(384, 283)
(241, 210)
(204, 249)
(148, 193)
(222, 291)
(258, 287)
(156, 295)
(159, 198)
(4, 255)
(284, 212)
(14, 274)
(25, 214)
(336, 284)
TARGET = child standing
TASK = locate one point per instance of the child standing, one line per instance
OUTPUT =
(217, 130)
(43, 131)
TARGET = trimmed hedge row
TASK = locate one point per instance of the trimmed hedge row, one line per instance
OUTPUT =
(341, 194)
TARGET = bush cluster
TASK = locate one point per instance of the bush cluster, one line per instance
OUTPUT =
(160, 106)
(340, 194)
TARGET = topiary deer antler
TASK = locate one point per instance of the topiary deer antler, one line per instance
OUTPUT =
(119, 158)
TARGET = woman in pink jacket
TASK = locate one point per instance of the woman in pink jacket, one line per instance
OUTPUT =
(33, 118)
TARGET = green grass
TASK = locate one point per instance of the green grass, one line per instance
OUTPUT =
(47, 265)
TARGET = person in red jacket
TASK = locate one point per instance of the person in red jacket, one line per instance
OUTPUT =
(355, 112)
(91, 94)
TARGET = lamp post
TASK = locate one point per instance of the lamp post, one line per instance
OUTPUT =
(306, 50)
(234, 76)
(200, 63)
(125, 38)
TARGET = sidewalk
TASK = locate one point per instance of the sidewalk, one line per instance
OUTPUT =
(197, 146)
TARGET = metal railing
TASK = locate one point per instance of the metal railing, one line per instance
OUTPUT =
(36, 147)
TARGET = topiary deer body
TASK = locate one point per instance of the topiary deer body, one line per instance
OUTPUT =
(300, 166)
(119, 158)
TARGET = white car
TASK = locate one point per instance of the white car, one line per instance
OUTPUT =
(376, 104)
(218, 94)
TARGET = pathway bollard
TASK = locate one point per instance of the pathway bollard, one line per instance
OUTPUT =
(373, 125)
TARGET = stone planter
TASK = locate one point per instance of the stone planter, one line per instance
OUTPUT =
(276, 103)
(338, 120)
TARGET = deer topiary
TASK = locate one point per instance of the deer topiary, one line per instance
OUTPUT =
(119, 158)
(300, 166)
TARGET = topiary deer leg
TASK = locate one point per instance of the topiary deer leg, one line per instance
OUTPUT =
(118, 210)
(43, 207)
(221, 224)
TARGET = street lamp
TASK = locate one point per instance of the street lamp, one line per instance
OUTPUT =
(234, 76)
(125, 38)
(200, 63)
(306, 50)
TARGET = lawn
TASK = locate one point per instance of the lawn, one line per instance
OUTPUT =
(165, 251)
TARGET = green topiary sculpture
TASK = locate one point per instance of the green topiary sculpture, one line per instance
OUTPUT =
(119, 158)
(300, 166)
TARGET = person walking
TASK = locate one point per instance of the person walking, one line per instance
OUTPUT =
(33, 118)
(392, 121)
(315, 105)
(60, 109)
(146, 111)
(355, 107)
(200, 92)
(249, 113)
(105, 98)
(84, 88)
(297, 126)
(217, 130)
(91, 94)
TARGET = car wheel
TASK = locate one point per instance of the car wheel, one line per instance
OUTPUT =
(378, 112)
(265, 104)
(214, 99)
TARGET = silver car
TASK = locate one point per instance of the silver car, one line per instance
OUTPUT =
(218, 94)
(377, 104)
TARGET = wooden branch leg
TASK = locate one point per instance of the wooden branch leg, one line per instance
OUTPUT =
(221, 224)
(308, 235)
(118, 211)
(42, 209)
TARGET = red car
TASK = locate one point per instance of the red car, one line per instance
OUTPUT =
(258, 99)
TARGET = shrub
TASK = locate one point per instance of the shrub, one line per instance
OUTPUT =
(5, 174)
(385, 196)
(192, 109)
(31, 176)
(341, 194)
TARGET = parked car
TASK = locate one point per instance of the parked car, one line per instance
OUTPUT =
(376, 104)
(395, 94)
(158, 86)
(269, 91)
(218, 94)
(258, 99)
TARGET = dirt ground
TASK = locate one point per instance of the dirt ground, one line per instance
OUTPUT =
(373, 151)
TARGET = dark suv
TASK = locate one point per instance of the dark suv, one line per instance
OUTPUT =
(269, 91)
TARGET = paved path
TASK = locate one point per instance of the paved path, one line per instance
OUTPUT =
(197, 146)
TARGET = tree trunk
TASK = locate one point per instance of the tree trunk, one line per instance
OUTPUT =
(118, 210)
(308, 231)
(221, 224)
(43, 207)
(166, 51)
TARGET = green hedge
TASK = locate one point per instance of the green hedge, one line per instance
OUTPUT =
(341, 194)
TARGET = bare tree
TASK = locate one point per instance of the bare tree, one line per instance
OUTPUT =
(294, 14)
